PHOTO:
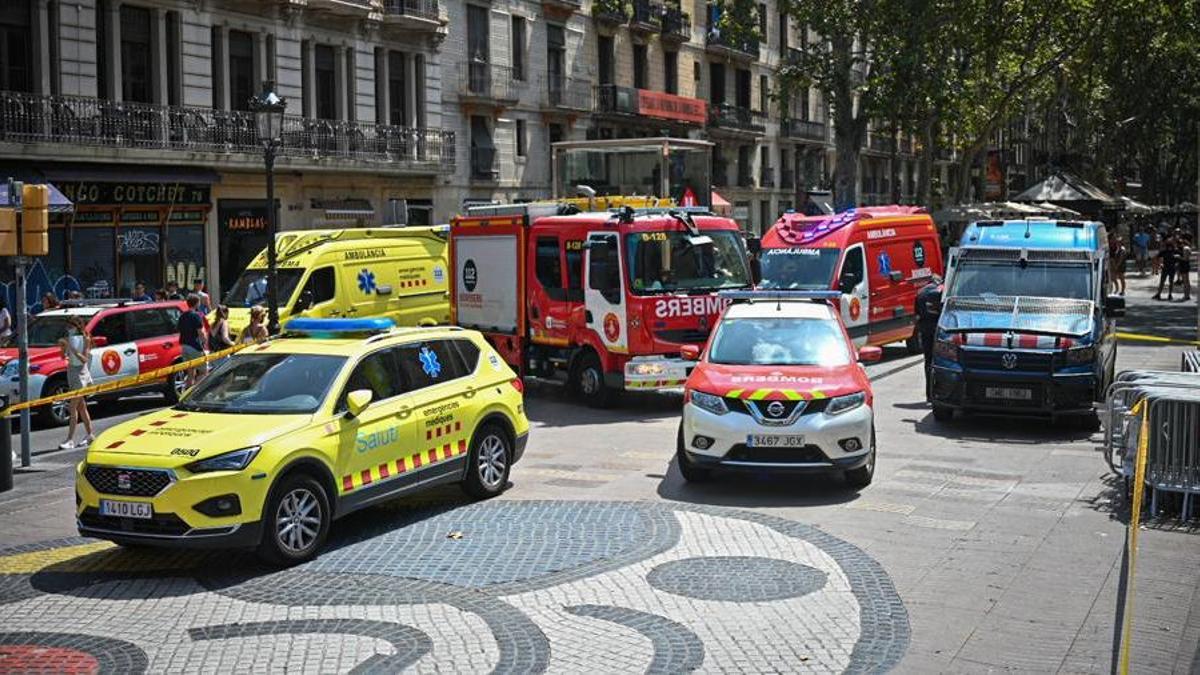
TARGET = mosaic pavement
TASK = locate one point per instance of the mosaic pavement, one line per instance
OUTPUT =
(499, 586)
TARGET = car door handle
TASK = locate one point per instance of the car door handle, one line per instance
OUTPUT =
(404, 411)
(129, 352)
(469, 392)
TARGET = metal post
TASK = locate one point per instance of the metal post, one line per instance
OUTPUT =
(272, 285)
(23, 360)
(6, 458)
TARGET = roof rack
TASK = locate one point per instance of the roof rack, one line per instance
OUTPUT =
(779, 296)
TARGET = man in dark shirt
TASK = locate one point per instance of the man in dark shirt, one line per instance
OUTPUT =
(929, 309)
(191, 336)
(173, 291)
(140, 294)
(1170, 258)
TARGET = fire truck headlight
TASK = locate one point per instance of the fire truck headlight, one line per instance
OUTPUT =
(647, 369)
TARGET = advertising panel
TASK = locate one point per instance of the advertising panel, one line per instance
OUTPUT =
(485, 286)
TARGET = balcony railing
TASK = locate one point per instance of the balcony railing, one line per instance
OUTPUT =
(610, 11)
(880, 143)
(729, 116)
(483, 163)
(426, 10)
(482, 81)
(746, 47)
(647, 16)
(84, 121)
(676, 24)
(744, 177)
(611, 98)
(567, 93)
(806, 129)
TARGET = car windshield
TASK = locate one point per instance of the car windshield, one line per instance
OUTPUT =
(1034, 279)
(661, 262)
(251, 288)
(779, 342)
(799, 269)
(46, 331)
(281, 384)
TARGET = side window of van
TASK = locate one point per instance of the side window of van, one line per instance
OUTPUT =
(319, 288)
(853, 270)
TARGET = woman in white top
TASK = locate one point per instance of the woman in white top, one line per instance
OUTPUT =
(77, 348)
(6, 323)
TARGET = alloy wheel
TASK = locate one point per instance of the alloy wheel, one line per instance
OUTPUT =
(298, 520)
(493, 458)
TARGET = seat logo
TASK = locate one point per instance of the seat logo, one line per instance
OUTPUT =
(775, 409)
(1009, 360)
(124, 482)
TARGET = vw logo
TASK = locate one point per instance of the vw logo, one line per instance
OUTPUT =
(1009, 360)
(124, 482)
(775, 409)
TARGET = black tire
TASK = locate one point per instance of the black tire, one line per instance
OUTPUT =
(861, 477)
(55, 414)
(488, 463)
(688, 469)
(289, 504)
(943, 414)
(175, 386)
(587, 381)
(913, 343)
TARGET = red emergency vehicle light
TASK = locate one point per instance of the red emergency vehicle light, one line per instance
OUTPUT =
(797, 229)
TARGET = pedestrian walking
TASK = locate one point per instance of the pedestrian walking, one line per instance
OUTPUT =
(1118, 256)
(1168, 257)
(191, 337)
(1184, 267)
(1141, 250)
(256, 330)
(1155, 247)
(929, 309)
(77, 348)
(6, 323)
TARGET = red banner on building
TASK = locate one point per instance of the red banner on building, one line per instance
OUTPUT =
(671, 107)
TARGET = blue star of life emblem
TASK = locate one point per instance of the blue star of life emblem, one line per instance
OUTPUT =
(429, 362)
(366, 281)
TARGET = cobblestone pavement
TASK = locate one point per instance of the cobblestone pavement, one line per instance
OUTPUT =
(530, 586)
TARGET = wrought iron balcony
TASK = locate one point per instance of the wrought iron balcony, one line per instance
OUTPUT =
(486, 83)
(745, 48)
(647, 16)
(413, 13)
(878, 142)
(228, 135)
(565, 93)
(483, 163)
(611, 98)
(805, 129)
(676, 25)
(612, 12)
(562, 6)
(744, 177)
(728, 116)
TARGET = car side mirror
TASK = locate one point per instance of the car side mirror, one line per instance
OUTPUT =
(847, 283)
(1114, 306)
(357, 401)
(99, 341)
(690, 352)
(305, 301)
(870, 354)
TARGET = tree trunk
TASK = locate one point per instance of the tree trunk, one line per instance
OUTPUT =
(894, 164)
(925, 175)
(847, 128)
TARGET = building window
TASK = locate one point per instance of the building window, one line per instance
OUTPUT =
(305, 78)
(606, 56)
(241, 70)
(103, 86)
(520, 138)
(351, 85)
(639, 67)
(55, 19)
(764, 94)
(216, 66)
(174, 53)
(270, 69)
(716, 83)
(762, 22)
(556, 61)
(518, 47)
(325, 70)
(16, 47)
(742, 88)
(697, 74)
(397, 89)
(483, 150)
(783, 32)
(137, 66)
(671, 72)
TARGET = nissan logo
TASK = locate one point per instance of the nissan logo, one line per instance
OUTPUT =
(775, 409)
(1009, 360)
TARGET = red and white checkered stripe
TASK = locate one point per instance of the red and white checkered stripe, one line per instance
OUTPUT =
(1019, 341)
(413, 283)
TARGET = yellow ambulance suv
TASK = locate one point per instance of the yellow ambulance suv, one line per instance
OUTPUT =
(288, 435)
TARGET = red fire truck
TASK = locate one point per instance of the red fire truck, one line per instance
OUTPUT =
(605, 297)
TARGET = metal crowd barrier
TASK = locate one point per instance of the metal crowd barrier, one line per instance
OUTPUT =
(1190, 361)
(1167, 404)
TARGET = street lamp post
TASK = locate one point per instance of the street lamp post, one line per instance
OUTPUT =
(268, 110)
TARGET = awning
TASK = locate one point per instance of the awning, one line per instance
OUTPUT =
(125, 173)
(58, 201)
(1066, 187)
(1135, 207)
(344, 209)
(721, 206)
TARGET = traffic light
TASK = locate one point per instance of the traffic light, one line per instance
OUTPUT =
(35, 220)
(8, 231)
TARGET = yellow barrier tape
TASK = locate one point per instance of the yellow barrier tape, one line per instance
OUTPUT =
(136, 380)
(1139, 337)
(1135, 521)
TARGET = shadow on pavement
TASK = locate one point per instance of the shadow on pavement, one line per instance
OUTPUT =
(761, 489)
(1026, 431)
(552, 405)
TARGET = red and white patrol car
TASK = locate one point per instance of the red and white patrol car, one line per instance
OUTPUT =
(779, 388)
(130, 338)
(878, 257)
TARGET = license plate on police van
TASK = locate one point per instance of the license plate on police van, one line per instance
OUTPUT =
(1009, 393)
(774, 441)
(142, 510)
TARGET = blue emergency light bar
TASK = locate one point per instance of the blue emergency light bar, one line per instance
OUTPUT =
(331, 328)
(779, 296)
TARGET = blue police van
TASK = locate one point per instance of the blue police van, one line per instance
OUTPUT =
(1026, 325)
